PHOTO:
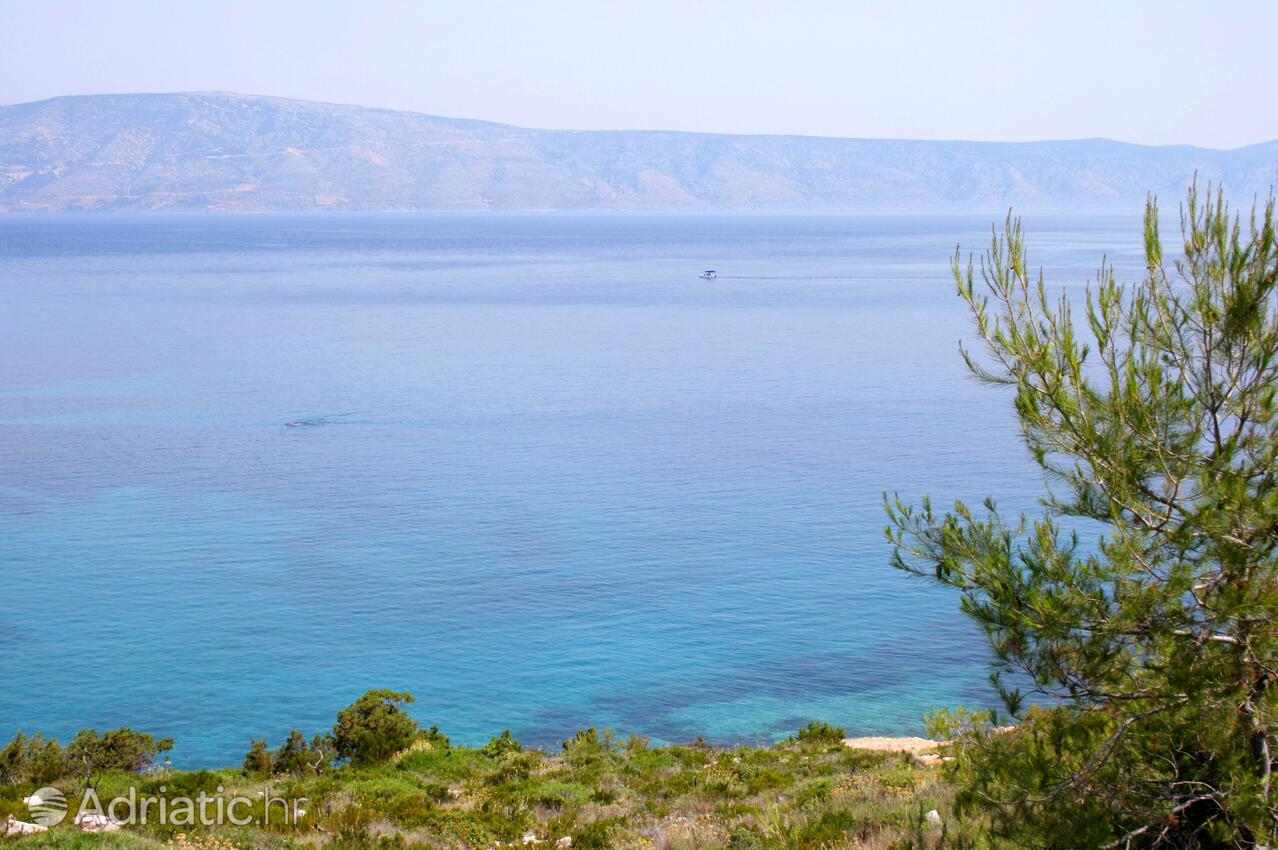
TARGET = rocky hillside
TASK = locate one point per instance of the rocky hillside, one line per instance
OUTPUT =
(217, 151)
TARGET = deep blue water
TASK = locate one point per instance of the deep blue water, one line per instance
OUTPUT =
(545, 477)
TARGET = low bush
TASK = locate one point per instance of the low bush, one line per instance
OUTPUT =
(820, 734)
(374, 728)
(500, 745)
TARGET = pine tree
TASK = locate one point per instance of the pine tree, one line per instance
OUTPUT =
(1137, 610)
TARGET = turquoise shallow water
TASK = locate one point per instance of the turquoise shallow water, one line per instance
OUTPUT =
(544, 477)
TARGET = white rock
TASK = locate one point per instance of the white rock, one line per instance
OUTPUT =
(96, 822)
(933, 817)
(13, 826)
(566, 841)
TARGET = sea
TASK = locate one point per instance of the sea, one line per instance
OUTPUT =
(530, 468)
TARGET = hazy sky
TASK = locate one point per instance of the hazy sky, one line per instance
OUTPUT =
(1163, 72)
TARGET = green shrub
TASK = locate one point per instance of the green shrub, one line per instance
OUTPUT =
(450, 765)
(821, 734)
(759, 779)
(358, 839)
(374, 728)
(36, 759)
(515, 770)
(734, 810)
(864, 759)
(593, 836)
(500, 745)
(645, 763)
(258, 760)
(818, 789)
(588, 741)
(185, 784)
(412, 810)
(744, 837)
(435, 738)
(604, 796)
(296, 758)
(831, 827)
(123, 749)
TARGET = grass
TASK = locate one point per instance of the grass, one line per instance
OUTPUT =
(804, 793)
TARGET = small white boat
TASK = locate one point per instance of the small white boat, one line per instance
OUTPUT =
(709, 274)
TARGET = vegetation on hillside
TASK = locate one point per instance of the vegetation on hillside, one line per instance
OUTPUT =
(596, 791)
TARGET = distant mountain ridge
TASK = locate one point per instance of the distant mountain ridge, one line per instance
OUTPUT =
(231, 152)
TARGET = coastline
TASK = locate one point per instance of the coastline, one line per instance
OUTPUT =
(816, 789)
